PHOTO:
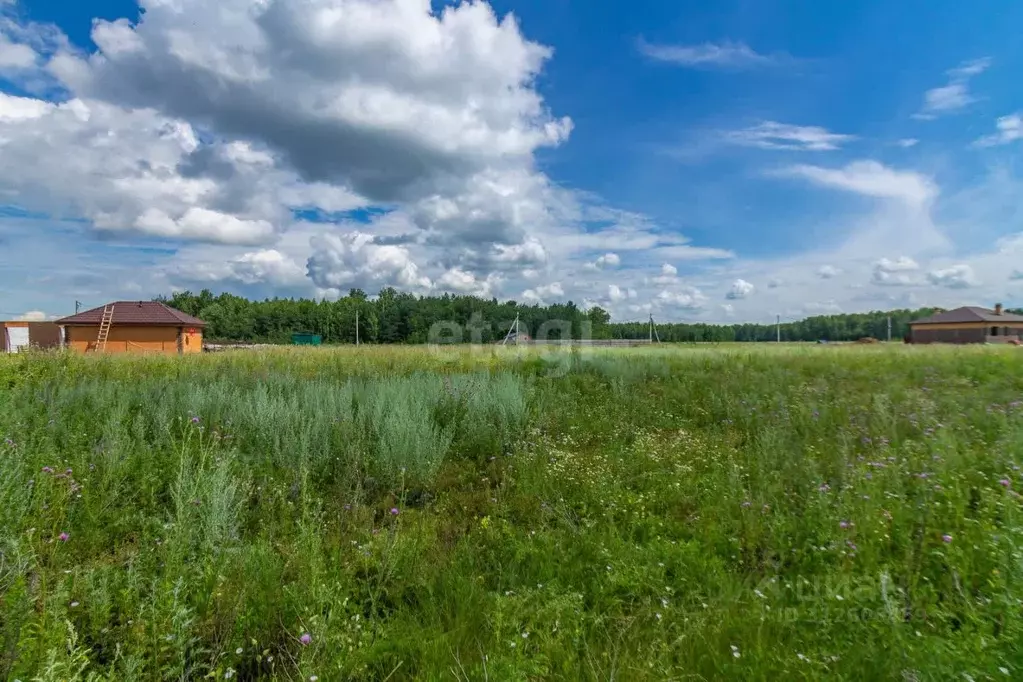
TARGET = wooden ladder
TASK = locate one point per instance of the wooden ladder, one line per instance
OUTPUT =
(104, 327)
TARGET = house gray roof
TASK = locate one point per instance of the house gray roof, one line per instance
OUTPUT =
(969, 313)
(147, 313)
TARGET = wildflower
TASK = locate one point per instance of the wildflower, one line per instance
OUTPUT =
(306, 638)
(63, 537)
(844, 524)
(525, 635)
(348, 507)
(74, 604)
(946, 538)
(746, 504)
(824, 487)
(229, 673)
(394, 511)
(1005, 482)
(195, 419)
(239, 650)
(735, 651)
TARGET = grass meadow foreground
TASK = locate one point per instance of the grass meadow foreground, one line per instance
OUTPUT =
(747, 513)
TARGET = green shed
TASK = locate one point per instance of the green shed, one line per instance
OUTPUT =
(304, 339)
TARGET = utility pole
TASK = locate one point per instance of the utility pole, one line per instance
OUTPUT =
(653, 330)
(777, 327)
(514, 329)
(356, 326)
(78, 305)
(889, 329)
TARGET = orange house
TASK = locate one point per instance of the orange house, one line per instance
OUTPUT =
(133, 327)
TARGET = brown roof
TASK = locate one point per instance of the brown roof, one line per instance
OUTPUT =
(969, 313)
(148, 313)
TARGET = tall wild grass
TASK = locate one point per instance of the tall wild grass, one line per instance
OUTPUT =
(757, 513)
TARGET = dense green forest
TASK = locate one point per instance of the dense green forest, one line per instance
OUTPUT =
(397, 317)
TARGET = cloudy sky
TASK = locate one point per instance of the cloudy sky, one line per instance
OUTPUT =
(652, 156)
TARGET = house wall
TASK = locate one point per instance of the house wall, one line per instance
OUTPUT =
(949, 334)
(135, 339)
(40, 334)
(44, 334)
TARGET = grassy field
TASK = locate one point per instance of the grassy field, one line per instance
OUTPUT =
(741, 513)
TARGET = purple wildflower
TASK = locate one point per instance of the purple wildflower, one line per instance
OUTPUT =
(306, 638)
(946, 538)
(394, 511)
(1005, 482)
(195, 419)
(844, 524)
(47, 470)
(63, 537)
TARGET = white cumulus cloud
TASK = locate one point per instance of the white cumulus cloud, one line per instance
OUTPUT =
(543, 294)
(686, 298)
(953, 277)
(898, 272)
(608, 260)
(740, 289)
(354, 260)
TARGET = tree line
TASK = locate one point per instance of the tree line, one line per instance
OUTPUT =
(401, 317)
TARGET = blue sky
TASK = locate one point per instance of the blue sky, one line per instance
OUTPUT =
(717, 163)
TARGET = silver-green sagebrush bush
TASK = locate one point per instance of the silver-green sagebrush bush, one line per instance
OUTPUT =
(743, 512)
